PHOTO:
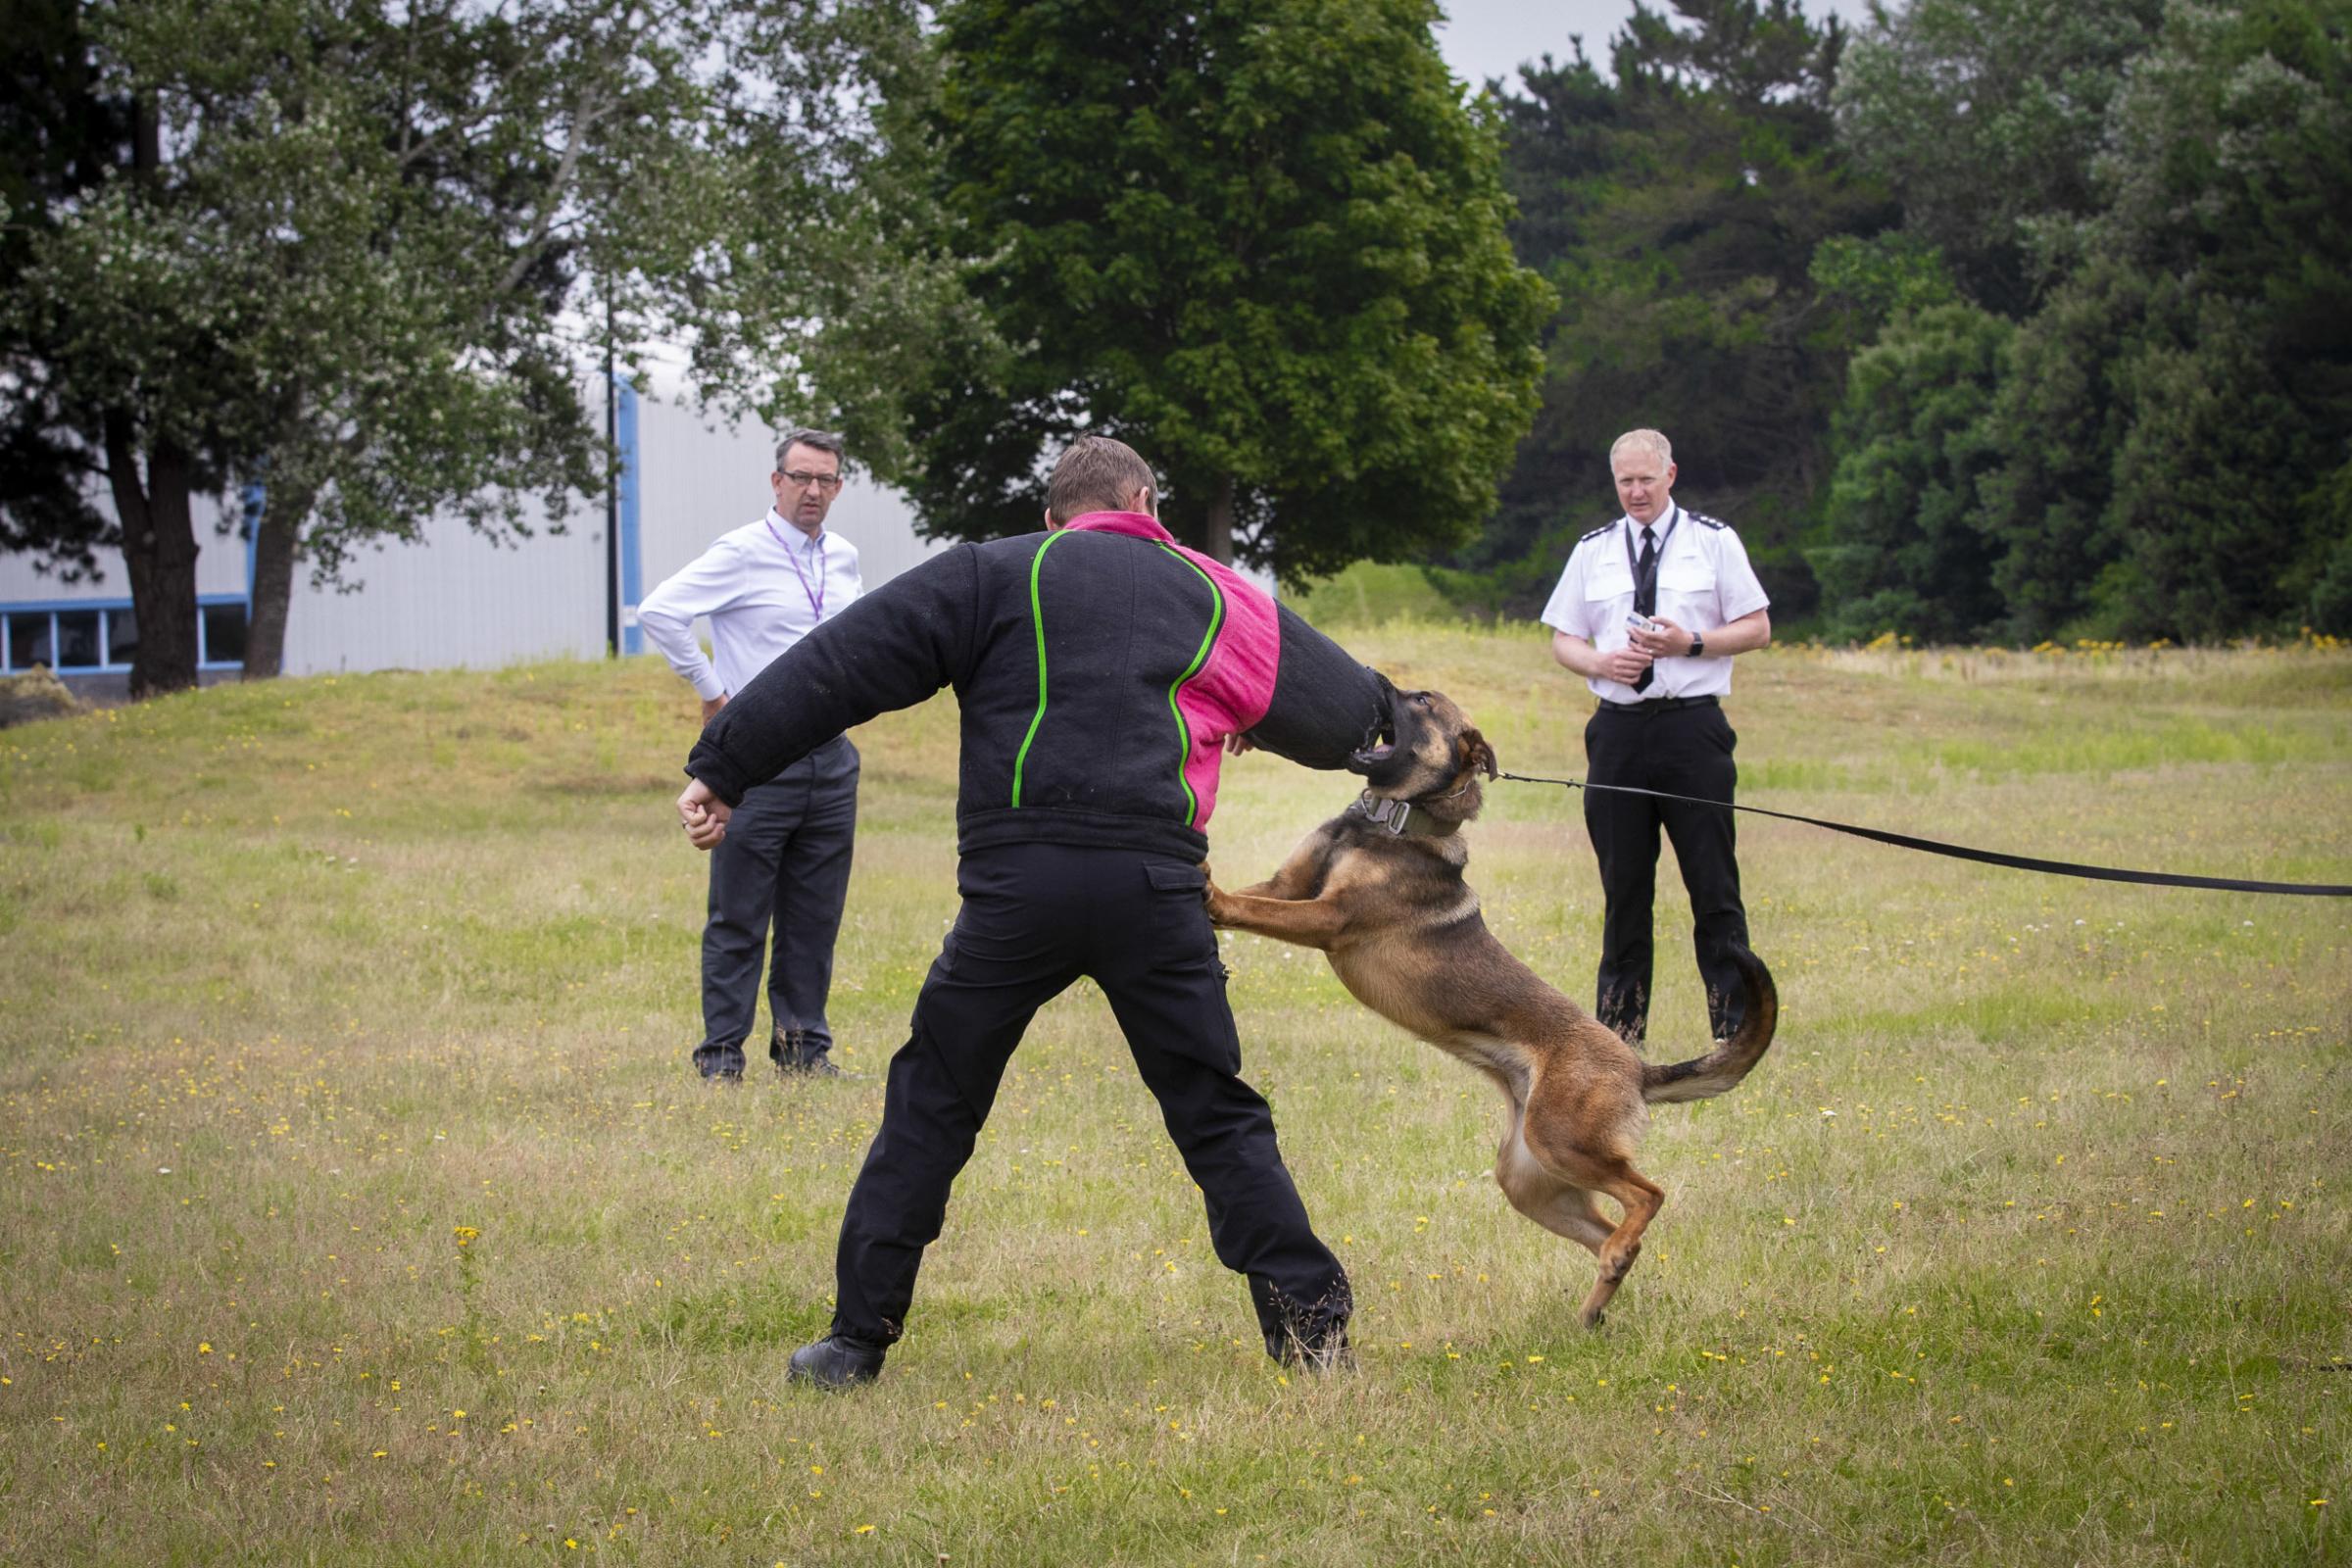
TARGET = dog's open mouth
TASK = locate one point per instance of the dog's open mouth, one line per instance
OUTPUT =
(1381, 746)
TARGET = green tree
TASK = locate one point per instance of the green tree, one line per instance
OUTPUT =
(350, 253)
(1262, 241)
(1677, 210)
(125, 390)
(1986, 116)
(57, 132)
(2161, 196)
(2331, 595)
(1904, 548)
(2174, 420)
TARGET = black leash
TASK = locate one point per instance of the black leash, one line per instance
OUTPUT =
(1961, 852)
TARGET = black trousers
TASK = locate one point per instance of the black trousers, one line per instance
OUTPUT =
(1681, 751)
(1035, 917)
(784, 862)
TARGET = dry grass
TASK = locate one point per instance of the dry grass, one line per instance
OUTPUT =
(2027, 1243)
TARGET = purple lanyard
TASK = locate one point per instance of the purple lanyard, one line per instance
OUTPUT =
(816, 595)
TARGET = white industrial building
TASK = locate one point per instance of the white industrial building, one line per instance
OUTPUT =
(454, 598)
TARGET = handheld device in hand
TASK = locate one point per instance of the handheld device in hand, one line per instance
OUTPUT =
(1636, 621)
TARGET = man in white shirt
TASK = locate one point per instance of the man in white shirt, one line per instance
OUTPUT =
(786, 855)
(1650, 609)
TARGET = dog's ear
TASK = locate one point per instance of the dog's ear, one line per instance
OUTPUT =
(1475, 753)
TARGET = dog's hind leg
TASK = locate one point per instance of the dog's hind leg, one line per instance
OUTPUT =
(1566, 1209)
(1560, 1208)
(1641, 1200)
(1583, 1131)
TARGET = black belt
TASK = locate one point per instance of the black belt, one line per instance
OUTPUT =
(1660, 705)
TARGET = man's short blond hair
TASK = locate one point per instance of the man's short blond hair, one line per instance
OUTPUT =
(1652, 441)
(1097, 475)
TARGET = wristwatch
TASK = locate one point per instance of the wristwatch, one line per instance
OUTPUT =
(1698, 647)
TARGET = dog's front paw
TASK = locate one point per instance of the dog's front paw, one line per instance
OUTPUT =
(1213, 900)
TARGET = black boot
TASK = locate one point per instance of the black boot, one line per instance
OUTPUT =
(837, 1362)
(790, 1050)
(1313, 1349)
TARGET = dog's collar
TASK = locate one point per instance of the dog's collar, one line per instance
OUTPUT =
(1401, 817)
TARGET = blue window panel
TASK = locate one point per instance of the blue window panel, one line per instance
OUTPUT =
(223, 634)
(121, 638)
(78, 646)
(80, 637)
(32, 640)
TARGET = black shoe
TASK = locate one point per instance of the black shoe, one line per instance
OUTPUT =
(724, 1075)
(1325, 1350)
(790, 1050)
(814, 1067)
(837, 1362)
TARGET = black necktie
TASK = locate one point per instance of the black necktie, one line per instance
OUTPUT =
(1646, 596)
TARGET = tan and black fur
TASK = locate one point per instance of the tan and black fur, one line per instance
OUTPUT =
(1403, 933)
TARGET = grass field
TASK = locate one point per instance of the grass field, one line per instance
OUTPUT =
(357, 1204)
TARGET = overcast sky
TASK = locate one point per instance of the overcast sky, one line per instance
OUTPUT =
(1490, 37)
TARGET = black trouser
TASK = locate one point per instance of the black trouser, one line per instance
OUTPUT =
(1035, 917)
(1679, 750)
(785, 861)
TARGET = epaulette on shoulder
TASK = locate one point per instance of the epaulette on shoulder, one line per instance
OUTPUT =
(1597, 532)
(1702, 517)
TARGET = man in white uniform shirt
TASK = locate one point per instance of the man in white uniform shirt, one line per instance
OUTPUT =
(1650, 611)
(786, 855)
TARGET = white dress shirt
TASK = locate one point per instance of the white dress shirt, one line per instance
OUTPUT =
(1704, 583)
(764, 587)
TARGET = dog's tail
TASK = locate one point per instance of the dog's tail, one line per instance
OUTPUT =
(1720, 1070)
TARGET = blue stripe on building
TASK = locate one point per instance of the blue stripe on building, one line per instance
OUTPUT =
(632, 563)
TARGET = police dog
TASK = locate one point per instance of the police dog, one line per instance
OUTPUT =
(1379, 889)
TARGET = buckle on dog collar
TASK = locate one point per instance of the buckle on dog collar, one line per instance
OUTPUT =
(1391, 814)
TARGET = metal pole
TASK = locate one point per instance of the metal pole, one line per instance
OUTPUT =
(611, 495)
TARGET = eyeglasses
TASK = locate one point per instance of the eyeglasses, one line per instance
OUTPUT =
(823, 482)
